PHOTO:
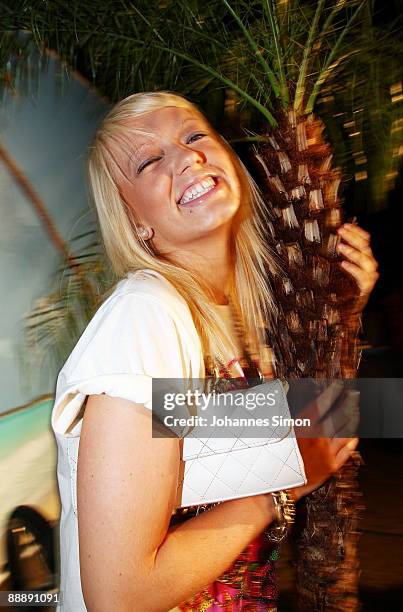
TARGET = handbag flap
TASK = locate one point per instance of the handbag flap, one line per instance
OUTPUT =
(194, 448)
(197, 445)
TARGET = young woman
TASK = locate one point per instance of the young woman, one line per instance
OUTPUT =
(180, 220)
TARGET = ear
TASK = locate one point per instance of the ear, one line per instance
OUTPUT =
(145, 233)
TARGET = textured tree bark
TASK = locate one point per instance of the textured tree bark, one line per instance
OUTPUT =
(315, 336)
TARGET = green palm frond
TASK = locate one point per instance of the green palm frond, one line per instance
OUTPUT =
(306, 57)
(278, 59)
(364, 116)
(334, 59)
(247, 46)
(57, 320)
(270, 53)
(258, 52)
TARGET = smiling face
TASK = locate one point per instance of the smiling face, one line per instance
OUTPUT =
(180, 179)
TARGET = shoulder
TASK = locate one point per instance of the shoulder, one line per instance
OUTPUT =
(147, 282)
(143, 331)
(145, 286)
(141, 298)
(143, 325)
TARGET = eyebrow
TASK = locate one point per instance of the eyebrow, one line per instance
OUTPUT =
(186, 119)
(135, 154)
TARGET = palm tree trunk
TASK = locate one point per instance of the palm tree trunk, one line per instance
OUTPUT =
(40, 209)
(36, 203)
(319, 324)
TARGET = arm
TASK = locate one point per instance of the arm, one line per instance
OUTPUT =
(126, 488)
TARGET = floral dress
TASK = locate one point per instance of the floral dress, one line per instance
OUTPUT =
(249, 584)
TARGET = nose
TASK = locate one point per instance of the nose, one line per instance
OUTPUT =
(187, 158)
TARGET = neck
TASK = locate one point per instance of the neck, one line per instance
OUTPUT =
(213, 262)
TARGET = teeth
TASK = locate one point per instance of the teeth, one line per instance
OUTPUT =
(196, 190)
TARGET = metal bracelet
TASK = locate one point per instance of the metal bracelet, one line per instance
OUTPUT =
(284, 508)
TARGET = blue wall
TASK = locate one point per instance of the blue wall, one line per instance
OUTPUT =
(47, 135)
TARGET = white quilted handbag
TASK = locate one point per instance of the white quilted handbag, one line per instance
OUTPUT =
(215, 469)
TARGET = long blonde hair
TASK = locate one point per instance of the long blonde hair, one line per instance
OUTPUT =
(254, 263)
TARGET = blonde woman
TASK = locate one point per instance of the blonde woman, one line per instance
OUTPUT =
(180, 220)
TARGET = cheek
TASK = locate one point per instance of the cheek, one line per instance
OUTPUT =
(234, 173)
(237, 181)
(224, 159)
(148, 197)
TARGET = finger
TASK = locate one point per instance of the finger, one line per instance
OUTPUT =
(365, 281)
(350, 410)
(342, 422)
(336, 444)
(357, 229)
(320, 405)
(352, 238)
(360, 257)
(345, 452)
(326, 399)
(347, 424)
(368, 251)
(354, 235)
(351, 427)
(326, 428)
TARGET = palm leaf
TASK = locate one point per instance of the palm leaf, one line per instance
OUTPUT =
(279, 54)
(251, 41)
(57, 320)
(334, 59)
(301, 83)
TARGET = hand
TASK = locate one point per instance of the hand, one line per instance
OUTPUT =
(335, 412)
(323, 456)
(359, 262)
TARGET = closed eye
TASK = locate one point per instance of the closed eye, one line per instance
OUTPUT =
(194, 137)
(147, 162)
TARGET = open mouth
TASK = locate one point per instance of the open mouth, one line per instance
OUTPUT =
(195, 193)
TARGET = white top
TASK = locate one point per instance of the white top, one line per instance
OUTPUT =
(143, 330)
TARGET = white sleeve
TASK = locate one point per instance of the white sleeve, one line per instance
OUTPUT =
(131, 339)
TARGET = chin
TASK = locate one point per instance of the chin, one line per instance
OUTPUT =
(215, 226)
